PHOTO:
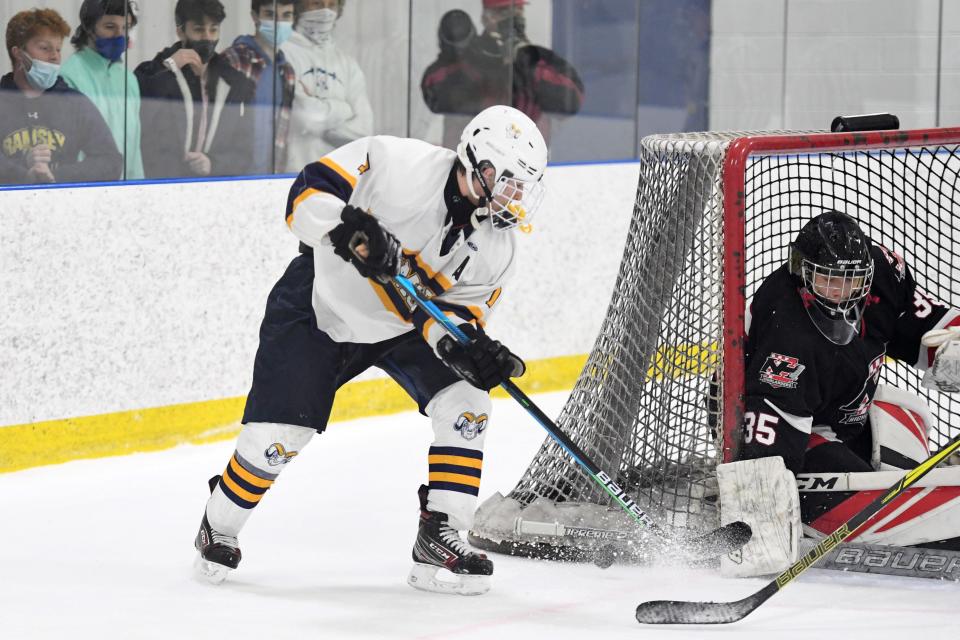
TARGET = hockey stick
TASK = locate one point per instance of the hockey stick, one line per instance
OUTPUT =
(685, 612)
(714, 543)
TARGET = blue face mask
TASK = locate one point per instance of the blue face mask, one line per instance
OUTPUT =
(42, 75)
(111, 48)
(276, 33)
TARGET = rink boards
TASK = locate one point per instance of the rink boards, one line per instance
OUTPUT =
(132, 311)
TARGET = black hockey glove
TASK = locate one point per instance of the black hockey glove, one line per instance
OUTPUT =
(483, 362)
(383, 250)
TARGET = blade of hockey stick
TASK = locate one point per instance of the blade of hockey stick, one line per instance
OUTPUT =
(719, 541)
(640, 548)
(682, 612)
(737, 533)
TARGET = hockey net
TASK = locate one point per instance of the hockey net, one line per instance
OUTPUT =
(659, 400)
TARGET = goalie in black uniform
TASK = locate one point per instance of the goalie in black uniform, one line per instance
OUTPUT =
(818, 331)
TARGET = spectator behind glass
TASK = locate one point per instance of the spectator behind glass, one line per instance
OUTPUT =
(194, 102)
(500, 66)
(253, 56)
(47, 127)
(330, 107)
(98, 71)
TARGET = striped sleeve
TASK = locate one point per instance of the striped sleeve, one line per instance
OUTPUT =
(321, 190)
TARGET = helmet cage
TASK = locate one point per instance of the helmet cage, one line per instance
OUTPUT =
(514, 203)
(835, 298)
(838, 289)
(510, 202)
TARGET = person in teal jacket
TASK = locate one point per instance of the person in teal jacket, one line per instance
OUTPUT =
(97, 70)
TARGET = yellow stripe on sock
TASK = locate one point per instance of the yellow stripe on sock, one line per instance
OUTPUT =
(249, 477)
(473, 463)
(436, 476)
(240, 491)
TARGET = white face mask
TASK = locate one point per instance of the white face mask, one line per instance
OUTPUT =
(317, 25)
(41, 75)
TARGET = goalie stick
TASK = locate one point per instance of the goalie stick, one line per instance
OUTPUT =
(687, 612)
(717, 542)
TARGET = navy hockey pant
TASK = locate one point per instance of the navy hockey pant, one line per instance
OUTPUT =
(298, 368)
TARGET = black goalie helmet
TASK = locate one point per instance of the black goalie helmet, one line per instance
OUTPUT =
(831, 257)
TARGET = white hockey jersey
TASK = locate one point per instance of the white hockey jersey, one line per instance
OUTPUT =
(330, 105)
(401, 182)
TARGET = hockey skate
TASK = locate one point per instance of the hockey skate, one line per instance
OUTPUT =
(442, 561)
(217, 554)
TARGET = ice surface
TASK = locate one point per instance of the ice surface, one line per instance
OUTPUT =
(102, 549)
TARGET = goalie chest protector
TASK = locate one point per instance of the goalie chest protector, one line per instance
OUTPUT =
(793, 366)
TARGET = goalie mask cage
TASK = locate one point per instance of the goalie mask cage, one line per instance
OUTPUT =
(660, 399)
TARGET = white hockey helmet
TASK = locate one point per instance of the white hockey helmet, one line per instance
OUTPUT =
(507, 140)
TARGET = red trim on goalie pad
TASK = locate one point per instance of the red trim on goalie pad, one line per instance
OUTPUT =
(832, 519)
(939, 496)
(911, 420)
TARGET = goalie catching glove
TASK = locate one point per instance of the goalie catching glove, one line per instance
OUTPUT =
(361, 241)
(483, 362)
(944, 372)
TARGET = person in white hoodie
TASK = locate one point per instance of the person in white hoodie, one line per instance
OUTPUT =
(330, 106)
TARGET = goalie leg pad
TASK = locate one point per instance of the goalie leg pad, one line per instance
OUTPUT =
(460, 415)
(927, 512)
(263, 450)
(899, 422)
(762, 493)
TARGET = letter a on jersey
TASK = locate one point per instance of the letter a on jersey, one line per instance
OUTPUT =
(781, 371)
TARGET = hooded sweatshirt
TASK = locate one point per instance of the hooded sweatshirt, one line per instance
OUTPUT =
(181, 115)
(330, 107)
(66, 121)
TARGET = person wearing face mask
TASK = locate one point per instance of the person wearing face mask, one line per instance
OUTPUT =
(500, 66)
(194, 103)
(97, 70)
(49, 132)
(331, 107)
(260, 59)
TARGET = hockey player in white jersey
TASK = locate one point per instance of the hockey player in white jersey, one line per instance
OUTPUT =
(444, 219)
